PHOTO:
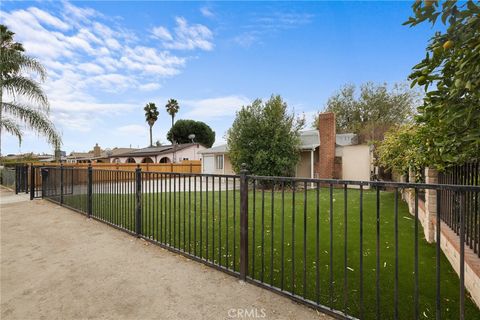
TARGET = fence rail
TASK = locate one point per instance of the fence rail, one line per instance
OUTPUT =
(467, 174)
(351, 253)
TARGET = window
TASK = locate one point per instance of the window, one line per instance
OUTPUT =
(219, 162)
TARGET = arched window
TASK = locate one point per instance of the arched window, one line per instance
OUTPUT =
(147, 160)
(164, 160)
(131, 160)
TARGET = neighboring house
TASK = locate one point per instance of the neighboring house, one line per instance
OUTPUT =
(323, 154)
(96, 155)
(161, 154)
(216, 160)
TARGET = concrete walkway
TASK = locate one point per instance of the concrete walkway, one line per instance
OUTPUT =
(56, 264)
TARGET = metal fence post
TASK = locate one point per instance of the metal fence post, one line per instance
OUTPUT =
(32, 182)
(243, 222)
(89, 190)
(61, 184)
(25, 177)
(44, 173)
(138, 201)
(17, 178)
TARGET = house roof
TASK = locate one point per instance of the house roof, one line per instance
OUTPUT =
(218, 149)
(309, 139)
(153, 151)
(346, 139)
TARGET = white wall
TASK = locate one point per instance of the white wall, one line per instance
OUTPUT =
(191, 153)
(356, 162)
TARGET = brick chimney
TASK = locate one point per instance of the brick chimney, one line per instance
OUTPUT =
(327, 132)
(97, 151)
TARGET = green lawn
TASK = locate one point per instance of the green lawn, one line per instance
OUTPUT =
(178, 228)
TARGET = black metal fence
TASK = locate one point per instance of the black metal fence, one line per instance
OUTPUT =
(467, 174)
(21, 178)
(347, 248)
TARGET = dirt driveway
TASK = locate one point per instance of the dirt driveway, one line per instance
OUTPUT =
(56, 264)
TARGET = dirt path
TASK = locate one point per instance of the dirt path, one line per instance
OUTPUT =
(56, 264)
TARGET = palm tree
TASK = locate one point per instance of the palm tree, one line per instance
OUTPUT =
(172, 109)
(22, 91)
(151, 116)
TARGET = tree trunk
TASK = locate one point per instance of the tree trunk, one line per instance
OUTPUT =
(151, 144)
(173, 141)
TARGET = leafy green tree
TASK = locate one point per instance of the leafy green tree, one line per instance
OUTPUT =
(151, 116)
(450, 76)
(266, 138)
(27, 104)
(372, 111)
(182, 129)
(403, 148)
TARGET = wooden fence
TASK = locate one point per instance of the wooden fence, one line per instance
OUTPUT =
(190, 166)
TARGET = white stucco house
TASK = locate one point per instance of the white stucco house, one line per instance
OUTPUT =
(162, 154)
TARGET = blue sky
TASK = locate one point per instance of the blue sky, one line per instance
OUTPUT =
(106, 60)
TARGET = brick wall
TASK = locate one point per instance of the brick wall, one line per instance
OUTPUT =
(326, 163)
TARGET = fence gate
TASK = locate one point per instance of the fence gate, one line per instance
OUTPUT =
(21, 178)
(36, 181)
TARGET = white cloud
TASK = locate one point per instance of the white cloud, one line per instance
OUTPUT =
(270, 23)
(246, 39)
(162, 33)
(149, 86)
(112, 43)
(72, 107)
(91, 68)
(206, 12)
(212, 108)
(77, 13)
(132, 129)
(186, 36)
(47, 18)
(151, 61)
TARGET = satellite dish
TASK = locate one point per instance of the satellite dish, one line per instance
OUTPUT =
(191, 137)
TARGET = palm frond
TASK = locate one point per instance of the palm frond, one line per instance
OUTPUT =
(34, 119)
(19, 85)
(11, 127)
(14, 60)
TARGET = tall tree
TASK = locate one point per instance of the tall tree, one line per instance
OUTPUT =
(182, 129)
(27, 104)
(172, 108)
(450, 76)
(265, 137)
(151, 116)
(372, 111)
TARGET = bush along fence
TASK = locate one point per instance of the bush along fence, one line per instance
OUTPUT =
(350, 253)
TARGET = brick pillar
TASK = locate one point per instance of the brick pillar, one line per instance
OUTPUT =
(410, 193)
(327, 132)
(431, 176)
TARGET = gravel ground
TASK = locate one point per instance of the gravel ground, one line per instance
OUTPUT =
(56, 264)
